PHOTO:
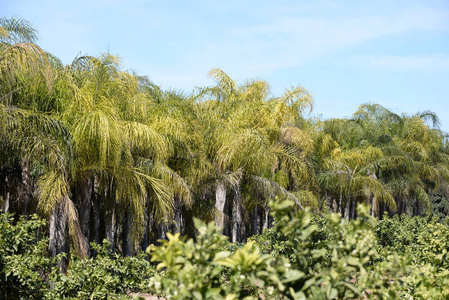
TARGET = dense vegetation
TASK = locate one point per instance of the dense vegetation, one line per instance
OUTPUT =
(102, 154)
(304, 256)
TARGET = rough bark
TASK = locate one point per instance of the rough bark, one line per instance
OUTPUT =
(110, 228)
(58, 230)
(6, 199)
(127, 233)
(162, 231)
(220, 201)
(109, 217)
(85, 207)
(147, 225)
(266, 220)
(339, 205)
(26, 191)
(177, 224)
(238, 226)
(347, 209)
(255, 221)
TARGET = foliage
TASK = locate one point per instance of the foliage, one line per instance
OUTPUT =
(26, 271)
(204, 269)
(341, 266)
(24, 265)
(102, 277)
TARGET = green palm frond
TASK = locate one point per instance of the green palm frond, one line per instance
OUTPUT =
(16, 30)
(180, 187)
(299, 98)
(297, 137)
(52, 188)
(224, 82)
(78, 241)
(97, 137)
(133, 187)
(270, 189)
(145, 141)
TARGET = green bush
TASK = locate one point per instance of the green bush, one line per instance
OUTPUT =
(204, 269)
(304, 256)
(330, 260)
(24, 265)
(105, 276)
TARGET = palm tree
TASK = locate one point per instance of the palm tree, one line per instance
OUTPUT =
(249, 137)
(33, 133)
(107, 112)
(349, 178)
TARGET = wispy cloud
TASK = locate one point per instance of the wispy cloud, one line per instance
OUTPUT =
(288, 41)
(424, 63)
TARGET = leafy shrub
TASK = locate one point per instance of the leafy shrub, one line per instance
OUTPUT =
(24, 265)
(338, 267)
(201, 269)
(105, 276)
(331, 260)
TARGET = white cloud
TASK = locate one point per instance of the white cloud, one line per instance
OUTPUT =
(288, 41)
(425, 63)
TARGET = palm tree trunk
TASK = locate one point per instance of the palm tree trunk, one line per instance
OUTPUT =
(177, 216)
(266, 218)
(110, 227)
(127, 233)
(147, 225)
(110, 217)
(255, 221)
(95, 223)
(26, 185)
(340, 204)
(220, 201)
(162, 231)
(347, 210)
(5, 204)
(374, 208)
(238, 227)
(58, 230)
(85, 207)
(353, 214)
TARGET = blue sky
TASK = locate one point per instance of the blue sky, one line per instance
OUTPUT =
(395, 53)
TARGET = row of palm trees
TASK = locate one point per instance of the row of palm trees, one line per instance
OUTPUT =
(103, 153)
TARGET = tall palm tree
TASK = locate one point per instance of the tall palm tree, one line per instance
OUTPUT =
(249, 137)
(33, 132)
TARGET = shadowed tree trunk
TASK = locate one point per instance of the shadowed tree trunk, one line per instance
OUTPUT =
(177, 224)
(58, 230)
(7, 193)
(127, 233)
(238, 226)
(266, 217)
(86, 207)
(189, 228)
(340, 205)
(255, 221)
(26, 185)
(95, 223)
(109, 216)
(110, 227)
(162, 231)
(147, 226)
(353, 210)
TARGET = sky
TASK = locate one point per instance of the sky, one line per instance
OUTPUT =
(345, 53)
